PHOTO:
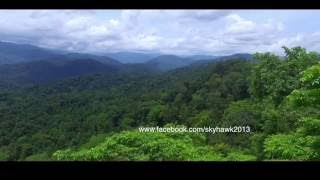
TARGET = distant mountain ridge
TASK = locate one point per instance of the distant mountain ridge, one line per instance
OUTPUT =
(169, 62)
(203, 57)
(11, 53)
(85, 56)
(28, 64)
(244, 56)
(36, 72)
(131, 57)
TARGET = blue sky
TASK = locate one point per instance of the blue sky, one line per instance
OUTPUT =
(182, 32)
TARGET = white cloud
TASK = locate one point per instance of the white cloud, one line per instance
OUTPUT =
(237, 25)
(168, 31)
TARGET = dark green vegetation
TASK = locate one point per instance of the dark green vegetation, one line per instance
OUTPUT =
(132, 145)
(41, 72)
(95, 117)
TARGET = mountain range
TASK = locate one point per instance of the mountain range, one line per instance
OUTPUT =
(36, 72)
(28, 64)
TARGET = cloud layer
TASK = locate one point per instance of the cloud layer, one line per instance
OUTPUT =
(217, 32)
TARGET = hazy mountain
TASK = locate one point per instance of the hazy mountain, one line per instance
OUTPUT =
(83, 56)
(11, 53)
(27, 64)
(203, 57)
(48, 71)
(168, 62)
(14, 53)
(244, 56)
(131, 57)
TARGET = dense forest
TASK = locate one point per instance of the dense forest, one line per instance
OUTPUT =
(97, 116)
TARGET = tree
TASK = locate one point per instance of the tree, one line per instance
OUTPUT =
(133, 145)
(155, 146)
(155, 115)
(4, 154)
(203, 118)
(289, 147)
(241, 114)
(276, 78)
(304, 143)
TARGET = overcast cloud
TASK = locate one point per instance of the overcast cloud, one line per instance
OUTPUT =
(216, 32)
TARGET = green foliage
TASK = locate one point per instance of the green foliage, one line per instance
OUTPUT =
(310, 126)
(203, 118)
(264, 75)
(276, 78)
(4, 154)
(304, 144)
(155, 115)
(241, 113)
(133, 145)
(290, 147)
(39, 157)
(309, 94)
(273, 121)
(240, 156)
(257, 145)
(93, 141)
(93, 117)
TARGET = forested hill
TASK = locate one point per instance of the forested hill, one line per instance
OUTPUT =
(67, 113)
(11, 53)
(95, 117)
(39, 72)
(169, 62)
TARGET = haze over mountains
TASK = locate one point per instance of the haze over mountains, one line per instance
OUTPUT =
(46, 71)
(14, 53)
(132, 57)
(11, 53)
(85, 83)
(28, 64)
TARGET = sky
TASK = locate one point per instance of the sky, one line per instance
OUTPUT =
(181, 32)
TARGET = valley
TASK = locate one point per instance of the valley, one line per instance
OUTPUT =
(76, 106)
